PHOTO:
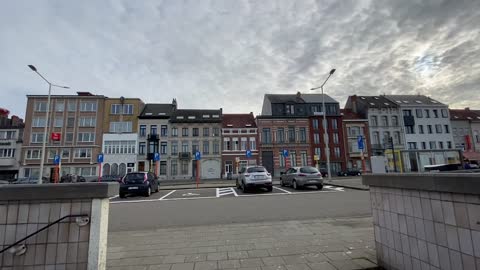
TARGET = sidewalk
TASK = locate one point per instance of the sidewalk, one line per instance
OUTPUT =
(353, 183)
(328, 244)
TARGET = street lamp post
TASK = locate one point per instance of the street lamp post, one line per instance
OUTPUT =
(325, 134)
(45, 130)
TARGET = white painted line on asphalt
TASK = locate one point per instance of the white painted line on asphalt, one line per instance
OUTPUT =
(281, 189)
(225, 191)
(164, 196)
(136, 201)
(190, 198)
(217, 190)
(291, 193)
(111, 198)
(327, 186)
(234, 192)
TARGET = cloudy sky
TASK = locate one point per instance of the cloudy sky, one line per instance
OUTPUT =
(229, 53)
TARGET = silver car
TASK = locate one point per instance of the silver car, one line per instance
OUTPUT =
(254, 177)
(298, 177)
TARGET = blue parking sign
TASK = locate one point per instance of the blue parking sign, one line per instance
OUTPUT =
(100, 158)
(56, 159)
(285, 152)
(248, 153)
(198, 155)
(360, 142)
(156, 156)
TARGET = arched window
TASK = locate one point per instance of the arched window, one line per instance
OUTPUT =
(106, 169)
(114, 170)
(122, 169)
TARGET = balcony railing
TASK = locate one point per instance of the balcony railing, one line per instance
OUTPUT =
(153, 137)
(184, 155)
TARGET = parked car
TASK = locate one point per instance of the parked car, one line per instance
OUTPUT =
(144, 183)
(111, 178)
(30, 180)
(350, 172)
(252, 177)
(298, 177)
(324, 172)
(72, 178)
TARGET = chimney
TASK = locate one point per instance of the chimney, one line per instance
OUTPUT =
(467, 109)
(174, 104)
(354, 103)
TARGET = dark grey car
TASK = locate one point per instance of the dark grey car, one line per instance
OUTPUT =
(298, 177)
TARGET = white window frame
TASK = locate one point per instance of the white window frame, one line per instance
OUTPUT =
(38, 122)
(37, 137)
(88, 106)
(58, 122)
(80, 151)
(253, 143)
(40, 106)
(86, 137)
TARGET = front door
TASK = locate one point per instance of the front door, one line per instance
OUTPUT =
(267, 161)
(141, 166)
(228, 167)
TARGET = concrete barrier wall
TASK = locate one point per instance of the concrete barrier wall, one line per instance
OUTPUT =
(426, 221)
(70, 244)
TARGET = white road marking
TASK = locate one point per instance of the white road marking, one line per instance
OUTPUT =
(225, 192)
(136, 201)
(166, 195)
(189, 198)
(234, 192)
(281, 189)
(190, 194)
(111, 198)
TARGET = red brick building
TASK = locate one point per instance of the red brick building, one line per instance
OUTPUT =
(239, 132)
(353, 126)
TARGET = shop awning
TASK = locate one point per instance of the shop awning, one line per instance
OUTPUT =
(471, 155)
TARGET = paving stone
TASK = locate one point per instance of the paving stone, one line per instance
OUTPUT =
(276, 267)
(237, 255)
(160, 267)
(182, 266)
(300, 266)
(321, 266)
(228, 264)
(208, 265)
(217, 256)
(337, 256)
(196, 258)
(273, 261)
(258, 253)
(294, 259)
(251, 262)
(174, 259)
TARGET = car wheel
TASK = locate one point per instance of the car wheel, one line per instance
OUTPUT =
(345, 174)
(359, 174)
(319, 187)
(269, 189)
(237, 185)
(244, 187)
(282, 183)
(294, 184)
(157, 188)
(149, 192)
(122, 195)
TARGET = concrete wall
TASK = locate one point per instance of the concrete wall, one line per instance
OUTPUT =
(426, 221)
(24, 209)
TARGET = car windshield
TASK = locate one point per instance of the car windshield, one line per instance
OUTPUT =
(134, 176)
(256, 169)
(308, 170)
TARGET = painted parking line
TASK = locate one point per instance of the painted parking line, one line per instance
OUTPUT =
(190, 193)
(166, 195)
(281, 189)
(334, 188)
(221, 192)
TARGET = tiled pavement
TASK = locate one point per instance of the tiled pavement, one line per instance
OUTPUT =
(312, 244)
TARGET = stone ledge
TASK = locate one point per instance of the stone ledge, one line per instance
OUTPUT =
(58, 191)
(467, 183)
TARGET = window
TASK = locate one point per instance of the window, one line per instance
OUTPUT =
(72, 106)
(289, 109)
(153, 129)
(235, 144)
(412, 145)
(314, 108)
(34, 154)
(227, 144)
(86, 137)
(449, 145)
(386, 136)
(427, 113)
(143, 130)
(174, 148)
(429, 128)
(58, 122)
(206, 132)
(37, 138)
(87, 122)
(243, 145)
(315, 123)
(173, 167)
(424, 145)
(419, 113)
(83, 153)
(438, 128)
(65, 153)
(334, 123)
(185, 132)
(253, 143)
(7, 135)
(337, 152)
(206, 148)
(119, 127)
(440, 145)
(117, 109)
(40, 106)
(395, 121)
(410, 129)
(407, 112)
(70, 122)
(184, 167)
(376, 137)
(185, 147)
(195, 132)
(447, 129)
(335, 138)
(88, 106)
(281, 159)
(291, 134)
(195, 147)
(433, 145)
(435, 113)
(38, 122)
(163, 131)
(303, 158)
(174, 132)
(7, 152)
(59, 106)
(163, 148)
(397, 139)
(303, 135)
(280, 135)
(216, 148)
(266, 136)
(374, 121)
(475, 135)
(316, 138)
(163, 167)
(69, 137)
(385, 121)
(318, 152)
(420, 129)
(216, 132)
(293, 159)
(444, 113)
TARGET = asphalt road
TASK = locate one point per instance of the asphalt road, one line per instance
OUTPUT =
(148, 215)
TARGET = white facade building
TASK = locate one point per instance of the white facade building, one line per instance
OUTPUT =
(120, 153)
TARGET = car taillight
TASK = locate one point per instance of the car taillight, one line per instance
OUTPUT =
(302, 174)
(145, 178)
(319, 174)
(269, 174)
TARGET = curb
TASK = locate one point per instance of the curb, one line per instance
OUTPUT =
(345, 186)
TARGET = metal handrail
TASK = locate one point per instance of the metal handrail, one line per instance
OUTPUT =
(42, 229)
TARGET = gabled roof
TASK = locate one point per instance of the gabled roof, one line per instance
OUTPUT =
(464, 114)
(157, 111)
(196, 116)
(414, 100)
(239, 121)
(348, 114)
(376, 102)
(299, 98)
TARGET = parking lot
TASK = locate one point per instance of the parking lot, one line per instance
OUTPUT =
(213, 193)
